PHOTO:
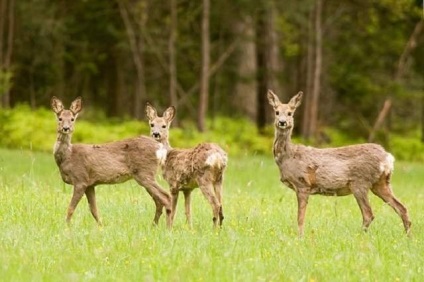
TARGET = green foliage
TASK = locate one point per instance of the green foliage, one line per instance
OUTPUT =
(5, 81)
(23, 128)
(258, 241)
(407, 147)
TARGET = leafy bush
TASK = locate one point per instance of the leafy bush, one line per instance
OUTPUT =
(24, 128)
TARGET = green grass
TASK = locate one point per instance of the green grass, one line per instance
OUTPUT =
(258, 242)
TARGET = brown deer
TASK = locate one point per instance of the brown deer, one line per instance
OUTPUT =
(339, 171)
(85, 166)
(185, 169)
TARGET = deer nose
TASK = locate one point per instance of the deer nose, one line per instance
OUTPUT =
(156, 135)
(65, 129)
(282, 123)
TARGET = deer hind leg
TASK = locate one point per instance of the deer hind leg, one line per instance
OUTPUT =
(187, 205)
(302, 202)
(207, 189)
(174, 199)
(160, 197)
(90, 192)
(360, 192)
(382, 189)
(218, 193)
(76, 197)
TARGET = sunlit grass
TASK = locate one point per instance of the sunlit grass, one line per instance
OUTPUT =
(258, 242)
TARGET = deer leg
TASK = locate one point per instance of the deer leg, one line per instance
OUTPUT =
(207, 189)
(160, 197)
(174, 199)
(187, 205)
(302, 202)
(218, 193)
(90, 192)
(158, 212)
(76, 197)
(361, 196)
(383, 190)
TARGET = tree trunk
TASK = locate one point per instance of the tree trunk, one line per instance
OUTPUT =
(136, 50)
(172, 60)
(399, 72)
(3, 5)
(204, 79)
(313, 121)
(306, 133)
(244, 98)
(262, 75)
(7, 60)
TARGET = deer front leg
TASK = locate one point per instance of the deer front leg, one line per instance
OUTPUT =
(90, 192)
(302, 202)
(187, 205)
(174, 199)
(76, 197)
(361, 195)
(158, 212)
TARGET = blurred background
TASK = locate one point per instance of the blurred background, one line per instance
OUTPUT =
(360, 64)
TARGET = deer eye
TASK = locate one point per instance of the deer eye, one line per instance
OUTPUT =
(163, 126)
(277, 113)
(60, 119)
(151, 125)
(289, 114)
(72, 119)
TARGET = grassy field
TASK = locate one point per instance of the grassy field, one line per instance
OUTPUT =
(257, 243)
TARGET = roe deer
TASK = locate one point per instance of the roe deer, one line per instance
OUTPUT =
(339, 171)
(85, 166)
(185, 169)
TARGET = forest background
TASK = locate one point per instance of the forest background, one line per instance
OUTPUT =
(359, 63)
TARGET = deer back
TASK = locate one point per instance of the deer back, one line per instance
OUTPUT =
(334, 169)
(113, 162)
(185, 165)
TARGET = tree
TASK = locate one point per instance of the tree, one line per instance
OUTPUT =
(136, 44)
(7, 24)
(204, 77)
(172, 58)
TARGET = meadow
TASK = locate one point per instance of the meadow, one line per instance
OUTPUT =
(258, 241)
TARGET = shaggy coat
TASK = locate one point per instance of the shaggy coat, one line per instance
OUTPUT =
(339, 171)
(185, 169)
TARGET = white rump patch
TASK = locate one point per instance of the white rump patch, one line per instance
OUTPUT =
(161, 154)
(216, 160)
(387, 166)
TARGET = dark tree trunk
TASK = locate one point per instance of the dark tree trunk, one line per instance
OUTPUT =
(172, 58)
(263, 74)
(204, 79)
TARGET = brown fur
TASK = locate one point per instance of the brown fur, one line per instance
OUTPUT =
(85, 166)
(185, 169)
(339, 171)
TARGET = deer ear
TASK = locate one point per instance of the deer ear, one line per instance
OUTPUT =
(296, 100)
(169, 114)
(57, 105)
(273, 99)
(150, 111)
(76, 106)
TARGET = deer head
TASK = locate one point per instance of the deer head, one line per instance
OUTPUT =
(159, 126)
(284, 112)
(66, 118)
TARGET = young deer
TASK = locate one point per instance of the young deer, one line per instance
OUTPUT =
(339, 171)
(185, 169)
(85, 166)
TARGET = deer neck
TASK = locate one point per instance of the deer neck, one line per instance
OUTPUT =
(165, 143)
(283, 146)
(62, 147)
